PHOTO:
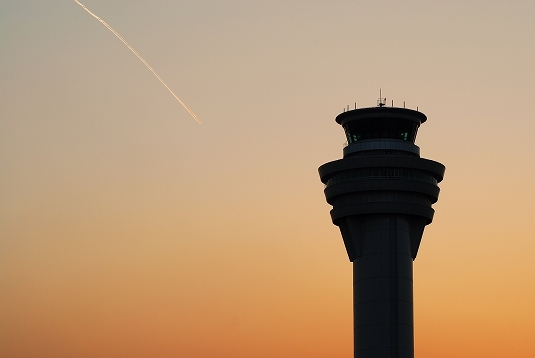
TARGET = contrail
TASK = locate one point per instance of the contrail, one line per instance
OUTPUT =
(140, 58)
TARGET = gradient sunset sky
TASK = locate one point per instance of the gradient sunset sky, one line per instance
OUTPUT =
(129, 230)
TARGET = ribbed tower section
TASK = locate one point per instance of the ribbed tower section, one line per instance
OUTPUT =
(381, 193)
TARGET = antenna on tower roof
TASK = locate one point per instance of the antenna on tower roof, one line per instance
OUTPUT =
(381, 102)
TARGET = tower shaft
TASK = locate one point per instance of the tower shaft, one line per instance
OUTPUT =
(382, 289)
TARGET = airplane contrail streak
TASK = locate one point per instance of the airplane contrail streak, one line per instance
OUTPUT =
(141, 59)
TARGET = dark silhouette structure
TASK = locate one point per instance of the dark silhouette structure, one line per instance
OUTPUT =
(381, 193)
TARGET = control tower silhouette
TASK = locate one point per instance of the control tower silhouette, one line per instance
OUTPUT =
(381, 193)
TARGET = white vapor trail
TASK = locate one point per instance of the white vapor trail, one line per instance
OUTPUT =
(140, 58)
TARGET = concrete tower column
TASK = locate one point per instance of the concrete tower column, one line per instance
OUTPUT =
(381, 193)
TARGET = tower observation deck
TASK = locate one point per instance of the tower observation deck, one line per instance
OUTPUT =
(381, 193)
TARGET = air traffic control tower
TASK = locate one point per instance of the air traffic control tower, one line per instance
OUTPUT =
(381, 193)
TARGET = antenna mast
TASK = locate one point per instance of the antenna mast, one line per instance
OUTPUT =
(381, 102)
